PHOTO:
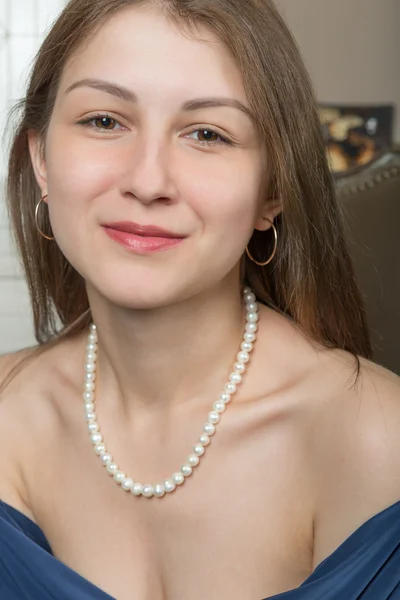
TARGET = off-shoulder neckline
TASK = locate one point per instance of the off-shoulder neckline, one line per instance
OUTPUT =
(324, 562)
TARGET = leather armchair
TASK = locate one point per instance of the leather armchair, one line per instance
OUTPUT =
(370, 200)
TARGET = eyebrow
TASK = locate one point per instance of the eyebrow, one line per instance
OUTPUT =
(191, 105)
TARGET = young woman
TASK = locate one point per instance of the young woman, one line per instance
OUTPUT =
(199, 419)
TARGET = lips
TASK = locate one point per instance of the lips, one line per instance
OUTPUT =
(142, 230)
(142, 239)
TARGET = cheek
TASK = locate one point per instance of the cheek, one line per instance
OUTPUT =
(75, 178)
(75, 171)
(228, 200)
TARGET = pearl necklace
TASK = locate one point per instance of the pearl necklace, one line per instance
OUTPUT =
(158, 490)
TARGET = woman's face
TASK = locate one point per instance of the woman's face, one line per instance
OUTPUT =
(152, 128)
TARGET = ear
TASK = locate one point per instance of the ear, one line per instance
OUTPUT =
(268, 213)
(37, 158)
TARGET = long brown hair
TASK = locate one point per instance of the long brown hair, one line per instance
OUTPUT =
(312, 278)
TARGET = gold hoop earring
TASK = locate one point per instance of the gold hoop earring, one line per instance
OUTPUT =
(46, 237)
(263, 264)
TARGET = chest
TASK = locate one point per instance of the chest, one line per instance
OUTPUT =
(240, 526)
(210, 539)
(204, 554)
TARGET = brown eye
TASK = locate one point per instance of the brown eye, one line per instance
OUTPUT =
(101, 122)
(105, 123)
(207, 135)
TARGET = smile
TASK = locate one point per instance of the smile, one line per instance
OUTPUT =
(142, 239)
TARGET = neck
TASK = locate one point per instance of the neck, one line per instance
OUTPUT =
(160, 358)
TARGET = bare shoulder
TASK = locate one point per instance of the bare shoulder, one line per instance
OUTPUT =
(349, 407)
(12, 415)
(354, 446)
(30, 419)
(347, 412)
(359, 412)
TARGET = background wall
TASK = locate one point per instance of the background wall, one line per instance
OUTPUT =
(351, 47)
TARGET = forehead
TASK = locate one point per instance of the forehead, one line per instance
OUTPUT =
(139, 45)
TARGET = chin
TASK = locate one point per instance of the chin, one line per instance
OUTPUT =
(139, 292)
(150, 285)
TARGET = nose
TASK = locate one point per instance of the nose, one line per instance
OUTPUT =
(148, 175)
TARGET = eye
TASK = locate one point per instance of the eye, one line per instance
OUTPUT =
(211, 137)
(101, 122)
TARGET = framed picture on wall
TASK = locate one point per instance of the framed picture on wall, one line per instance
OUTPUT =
(355, 135)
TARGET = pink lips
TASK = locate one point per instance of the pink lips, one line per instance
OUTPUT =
(142, 239)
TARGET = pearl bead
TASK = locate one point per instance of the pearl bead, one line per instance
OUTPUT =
(148, 490)
(249, 337)
(246, 346)
(225, 397)
(127, 484)
(159, 490)
(112, 468)
(204, 440)
(252, 317)
(235, 378)
(198, 449)
(230, 388)
(93, 427)
(209, 429)
(193, 460)
(249, 297)
(106, 458)
(169, 485)
(213, 417)
(243, 356)
(96, 437)
(178, 478)
(252, 307)
(137, 489)
(119, 476)
(100, 448)
(219, 406)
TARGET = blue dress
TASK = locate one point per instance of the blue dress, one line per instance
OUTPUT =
(366, 566)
